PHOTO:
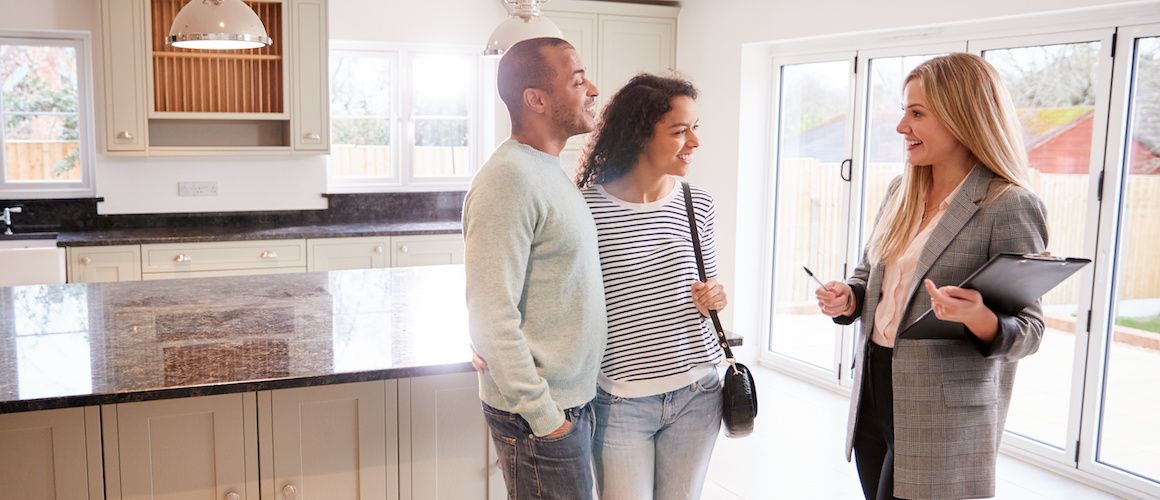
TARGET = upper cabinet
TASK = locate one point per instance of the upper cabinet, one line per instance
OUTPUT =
(617, 41)
(161, 99)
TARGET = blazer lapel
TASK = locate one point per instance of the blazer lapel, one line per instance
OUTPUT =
(962, 207)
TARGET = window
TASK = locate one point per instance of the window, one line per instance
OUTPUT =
(45, 116)
(403, 118)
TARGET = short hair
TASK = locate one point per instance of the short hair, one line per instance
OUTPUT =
(524, 66)
(626, 124)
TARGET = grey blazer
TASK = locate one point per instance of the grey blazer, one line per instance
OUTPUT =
(951, 396)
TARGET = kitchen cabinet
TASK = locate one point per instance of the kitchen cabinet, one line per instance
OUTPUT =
(616, 41)
(227, 258)
(105, 263)
(198, 447)
(51, 454)
(426, 250)
(336, 254)
(333, 441)
(446, 457)
(166, 100)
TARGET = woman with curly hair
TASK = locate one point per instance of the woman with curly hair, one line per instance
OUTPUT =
(658, 401)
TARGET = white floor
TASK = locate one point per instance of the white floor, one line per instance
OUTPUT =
(796, 452)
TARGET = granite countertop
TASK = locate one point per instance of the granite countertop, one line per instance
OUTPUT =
(188, 234)
(86, 344)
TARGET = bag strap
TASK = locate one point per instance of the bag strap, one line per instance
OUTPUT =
(701, 270)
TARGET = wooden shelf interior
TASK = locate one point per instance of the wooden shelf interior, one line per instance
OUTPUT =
(211, 81)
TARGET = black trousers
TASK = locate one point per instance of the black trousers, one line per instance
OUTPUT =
(874, 433)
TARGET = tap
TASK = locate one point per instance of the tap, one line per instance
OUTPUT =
(7, 217)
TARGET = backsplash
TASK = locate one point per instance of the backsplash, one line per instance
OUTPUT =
(81, 214)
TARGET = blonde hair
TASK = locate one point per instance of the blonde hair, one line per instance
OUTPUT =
(965, 93)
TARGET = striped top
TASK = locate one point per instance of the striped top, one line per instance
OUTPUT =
(657, 341)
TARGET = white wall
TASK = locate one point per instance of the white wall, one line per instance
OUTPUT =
(279, 182)
(711, 37)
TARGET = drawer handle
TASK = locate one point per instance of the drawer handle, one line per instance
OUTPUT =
(289, 491)
(86, 260)
(233, 495)
(182, 258)
(404, 249)
(379, 249)
(312, 136)
(125, 135)
(269, 254)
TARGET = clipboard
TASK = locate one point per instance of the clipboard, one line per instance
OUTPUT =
(1009, 282)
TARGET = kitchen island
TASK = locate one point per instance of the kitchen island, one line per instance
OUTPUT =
(345, 384)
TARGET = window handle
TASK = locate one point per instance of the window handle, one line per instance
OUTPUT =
(846, 170)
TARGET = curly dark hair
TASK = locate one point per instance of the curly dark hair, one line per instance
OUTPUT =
(626, 124)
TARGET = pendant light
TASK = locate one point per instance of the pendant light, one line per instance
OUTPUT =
(524, 22)
(217, 25)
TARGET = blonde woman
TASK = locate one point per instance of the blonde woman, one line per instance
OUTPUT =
(926, 415)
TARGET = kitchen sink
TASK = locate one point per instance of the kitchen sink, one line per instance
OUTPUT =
(30, 261)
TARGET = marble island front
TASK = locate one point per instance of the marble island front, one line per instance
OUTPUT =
(90, 344)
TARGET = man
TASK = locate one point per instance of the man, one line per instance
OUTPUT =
(535, 299)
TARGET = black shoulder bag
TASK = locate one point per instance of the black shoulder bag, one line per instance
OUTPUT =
(739, 394)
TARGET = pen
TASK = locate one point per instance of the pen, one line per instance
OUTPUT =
(815, 278)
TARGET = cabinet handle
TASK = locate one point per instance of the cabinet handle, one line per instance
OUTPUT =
(86, 260)
(269, 254)
(182, 258)
(379, 249)
(233, 495)
(403, 249)
(289, 491)
(312, 136)
(125, 135)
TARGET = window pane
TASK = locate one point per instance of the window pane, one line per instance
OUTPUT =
(1052, 89)
(34, 78)
(440, 148)
(360, 126)
(39, 113)
(442, 84)
(811, 207)
(360, 85)
(1129, 438)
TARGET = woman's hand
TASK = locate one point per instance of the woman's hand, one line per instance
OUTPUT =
(478, 362)
(709, 295)
(835, 299)
(951, 303)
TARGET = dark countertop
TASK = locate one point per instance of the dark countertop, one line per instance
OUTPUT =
(86, 344)
(98, 343)
(190, 234)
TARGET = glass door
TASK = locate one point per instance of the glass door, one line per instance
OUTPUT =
(1123, 440)
(1059, 86)
(813, 126)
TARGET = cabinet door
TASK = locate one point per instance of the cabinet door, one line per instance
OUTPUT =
(310, 120)
(448, 448)
(630, 45)
(336, 254)
(100, 264)
(123, 22)
(334, 441)
(427, 250)
(200, 447)
(44, 455)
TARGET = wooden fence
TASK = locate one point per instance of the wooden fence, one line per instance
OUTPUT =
(812, 217)
(35, 161)
(375, 161)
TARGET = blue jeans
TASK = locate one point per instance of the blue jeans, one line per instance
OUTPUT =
(539, 468)
(656, 446)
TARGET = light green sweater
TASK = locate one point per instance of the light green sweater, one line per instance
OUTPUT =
(535, 297)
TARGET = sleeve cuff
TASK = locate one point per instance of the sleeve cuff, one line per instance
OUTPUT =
(545, 419)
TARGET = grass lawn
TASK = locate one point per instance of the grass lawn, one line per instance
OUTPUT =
(1150, 323)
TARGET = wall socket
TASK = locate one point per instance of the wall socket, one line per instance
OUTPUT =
(204, 188)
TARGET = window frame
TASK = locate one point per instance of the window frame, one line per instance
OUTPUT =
(81, 42)
(402, 119)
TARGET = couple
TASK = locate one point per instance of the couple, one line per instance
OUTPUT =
(570, 289)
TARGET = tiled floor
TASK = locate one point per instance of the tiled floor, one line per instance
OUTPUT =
(796, 453)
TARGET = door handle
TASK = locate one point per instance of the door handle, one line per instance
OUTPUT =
(846, 169)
